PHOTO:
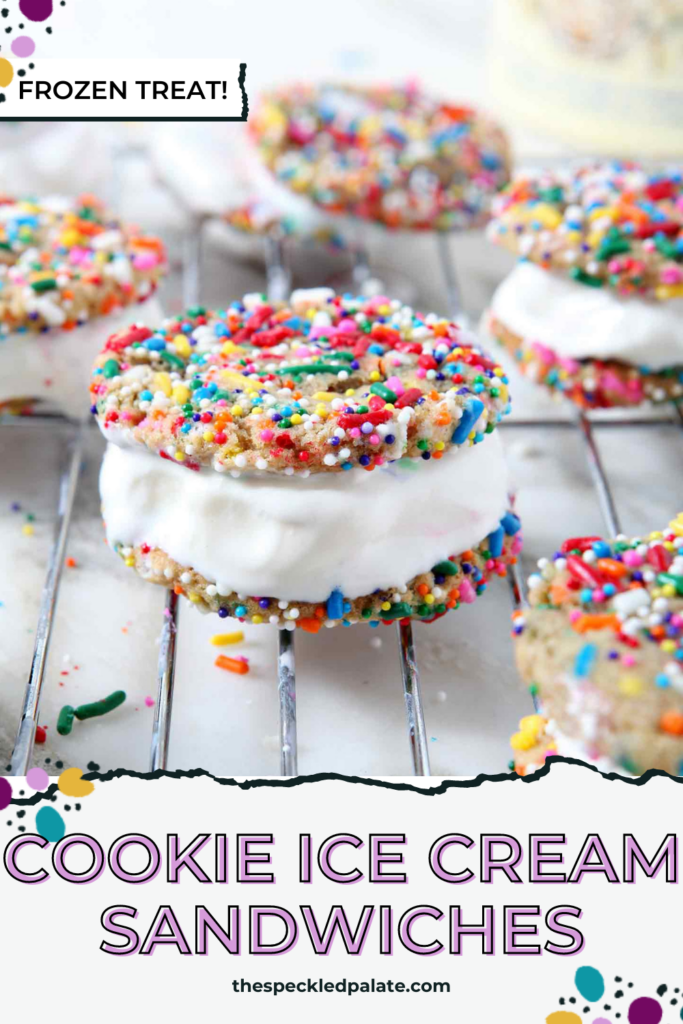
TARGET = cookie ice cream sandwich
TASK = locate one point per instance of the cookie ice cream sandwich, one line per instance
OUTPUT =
(318, 461)
(70, 274)
(594, 308)
(387, 154)
(601, 649)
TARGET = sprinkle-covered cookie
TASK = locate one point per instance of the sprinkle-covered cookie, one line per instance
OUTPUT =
(452, 583)
(604, 225)
(589, 383)
(64, 262)
(601, 648)
(321, 383)
(387, 154)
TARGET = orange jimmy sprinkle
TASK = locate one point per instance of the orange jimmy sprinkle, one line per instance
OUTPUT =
(611, 567)
(586, 622)
(309, 625)
(232, 664)
(672, 722)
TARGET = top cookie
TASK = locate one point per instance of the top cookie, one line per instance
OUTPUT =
(321, 383)
(608, 225)
(63, 262)
(385, 153)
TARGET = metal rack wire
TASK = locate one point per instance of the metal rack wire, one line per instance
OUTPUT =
(278, 283)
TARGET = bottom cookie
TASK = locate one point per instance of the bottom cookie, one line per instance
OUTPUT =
(590, 384)
(601, 650)
(455, 581)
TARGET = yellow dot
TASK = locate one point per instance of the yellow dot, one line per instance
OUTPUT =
(563, 1017)
(6, 72)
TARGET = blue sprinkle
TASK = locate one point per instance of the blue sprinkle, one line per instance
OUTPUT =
(335, 605)
(601, 549)
(496, 542)
(585, 660)
(662, 681)
(510, 523)
(470, 415)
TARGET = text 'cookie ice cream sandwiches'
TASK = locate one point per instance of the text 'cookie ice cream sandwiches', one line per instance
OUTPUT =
(594, 308)
(321, 460)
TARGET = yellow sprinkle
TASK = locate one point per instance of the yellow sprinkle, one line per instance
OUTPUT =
(182, 345)
(322, 412)
(532, 723)
(439, 446)
(223, 639)
(669, 545)
(384, 310)
(180, 456)
(162, 382)
(237, 410)
(522, 741)
(208, 435)
(349, 392)
(324, 396)
(181, 394)
(296, 418)
(429, 599)
(668, 590)
(28, 530)
(257, 619)
(668, 646)
(130, 562)
(194, 597)
(385, 606)
(498, 372)
(631, 686)
(375, 375)
(655, 535)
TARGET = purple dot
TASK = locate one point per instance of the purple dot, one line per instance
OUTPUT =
(36, 10)
(645, 1011)
(37, 778)
(601, 1020)
(23, 46)
(5, 794)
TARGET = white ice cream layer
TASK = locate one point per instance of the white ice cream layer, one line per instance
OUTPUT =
(299, 538)
(580, 322)
(56, 366)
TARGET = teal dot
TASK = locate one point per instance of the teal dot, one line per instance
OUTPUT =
(50, 824)
(590, 983)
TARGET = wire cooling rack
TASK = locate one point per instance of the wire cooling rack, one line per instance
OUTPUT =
(278, 284)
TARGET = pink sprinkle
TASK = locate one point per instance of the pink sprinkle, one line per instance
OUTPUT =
(149, 702)
(627, 660)
(267, 435)
(632, 558)
(420, 372)
(346, 325)
(671, 275)
(467, 593)
(396, 386)
(574, 615)
(598, 596)
(374, 438)
(354, 432)
(145, 260)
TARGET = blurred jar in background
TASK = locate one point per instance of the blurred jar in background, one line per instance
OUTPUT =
(602, 76)
(41, 157)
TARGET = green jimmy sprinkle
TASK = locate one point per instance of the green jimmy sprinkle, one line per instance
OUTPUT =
(65, 720)
(100, 707)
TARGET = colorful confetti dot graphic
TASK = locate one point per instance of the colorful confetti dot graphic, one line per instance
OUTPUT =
(37, 778)
(36, 10)
(5, 793)
(6, 73)
(23, 46)
(50, 825)
(72, 783)
(590, 983)
(644, 1011)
